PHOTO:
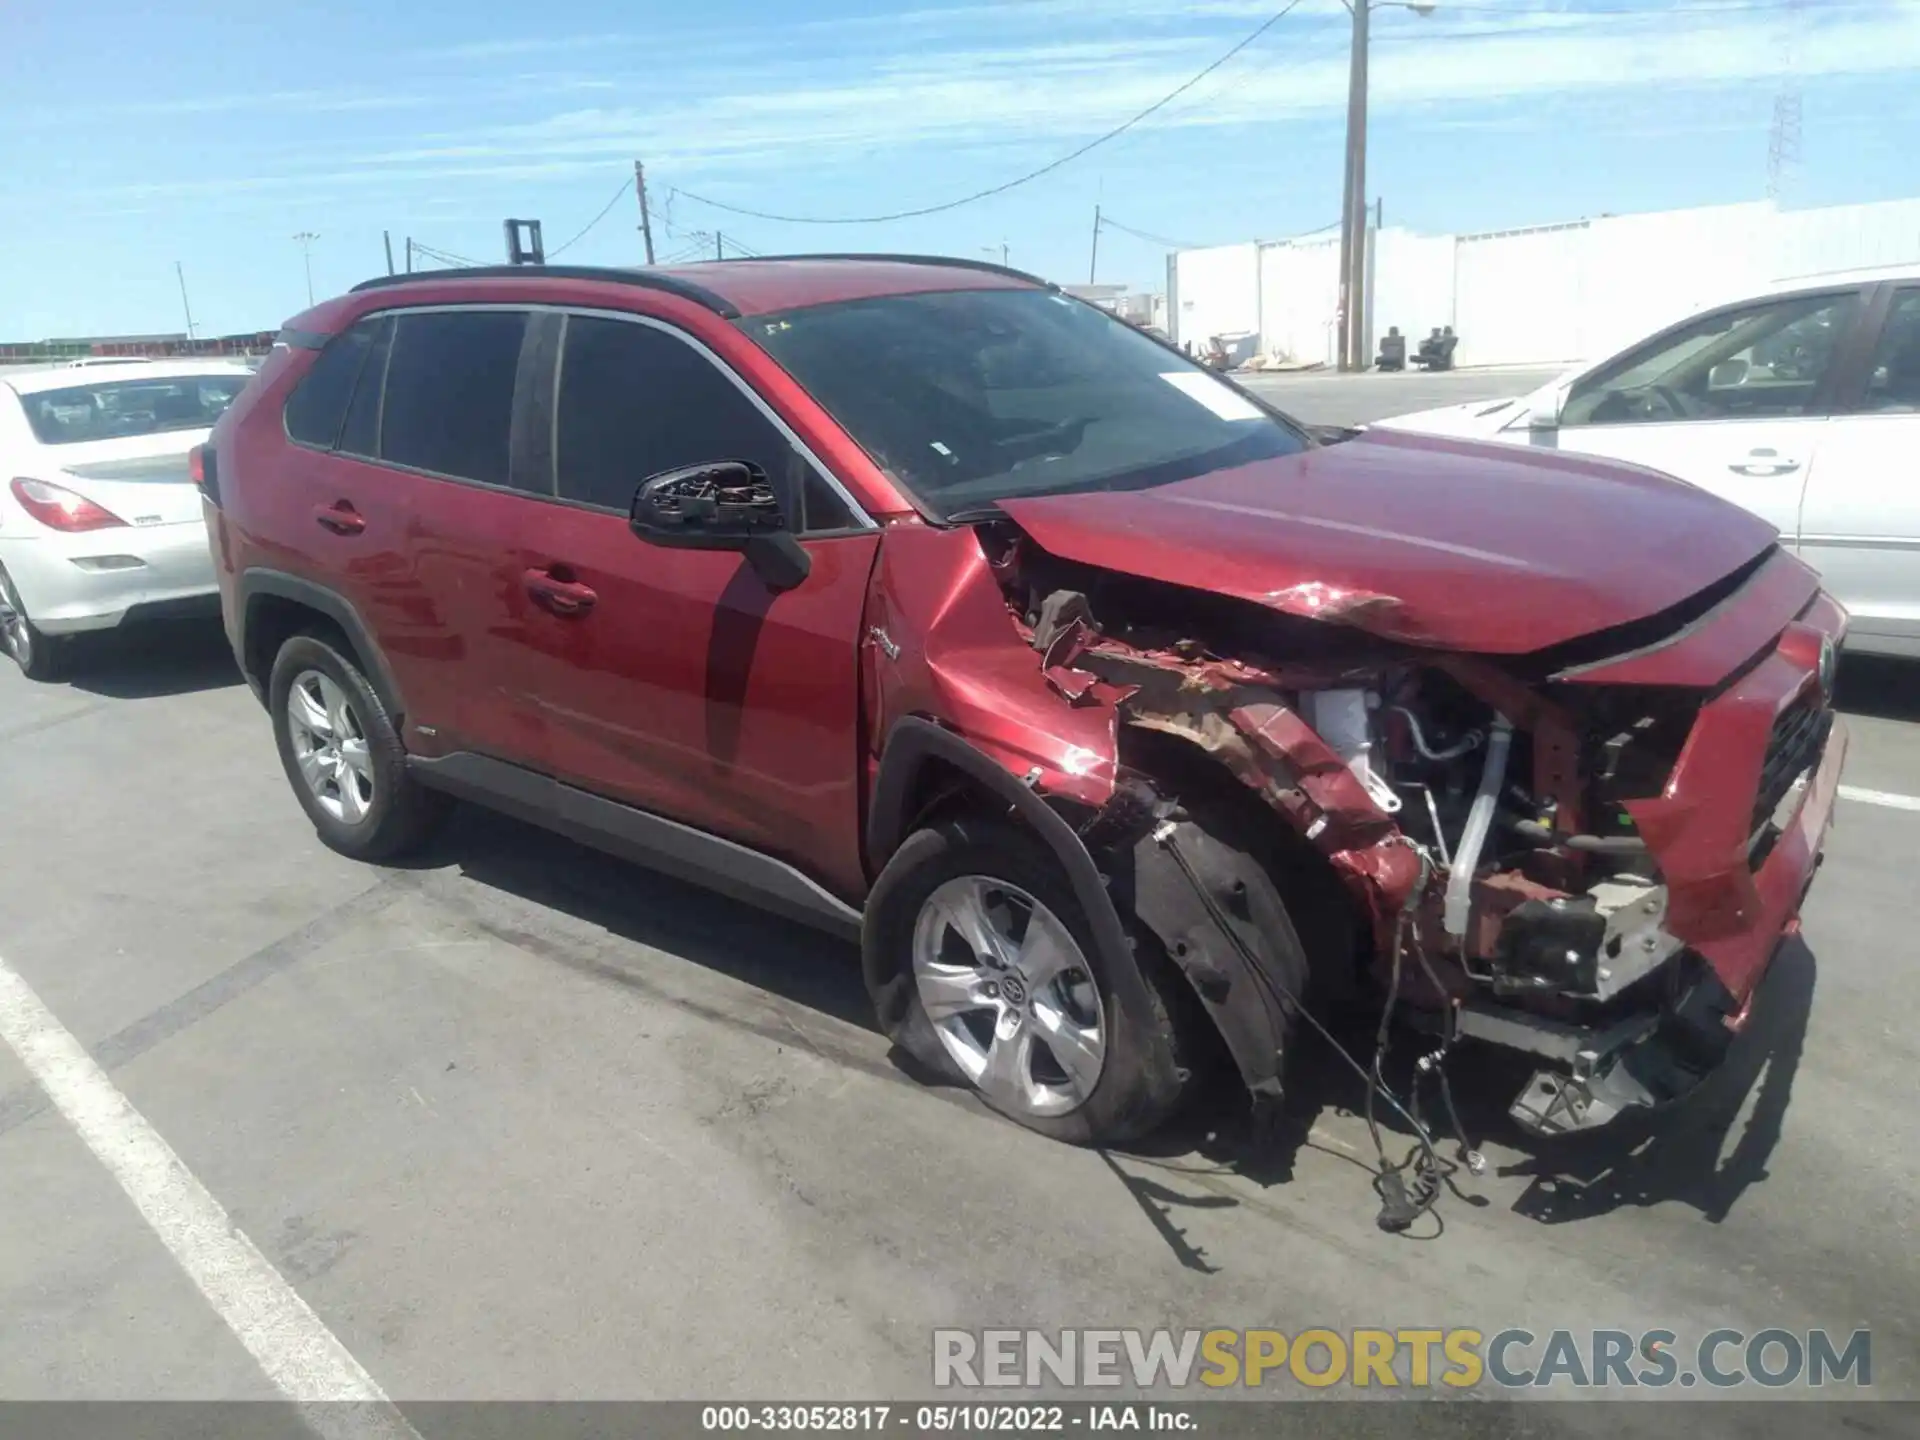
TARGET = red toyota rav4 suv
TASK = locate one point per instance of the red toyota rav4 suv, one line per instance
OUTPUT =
(1119, 716)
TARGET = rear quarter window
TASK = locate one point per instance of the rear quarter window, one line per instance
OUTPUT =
(318, 403)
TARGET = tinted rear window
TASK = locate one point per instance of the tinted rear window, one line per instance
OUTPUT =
(360, 434)
(449, 392)
(114, 409)
(318, 402)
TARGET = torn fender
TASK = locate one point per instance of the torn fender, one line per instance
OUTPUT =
(1268, 746)
(940, 642)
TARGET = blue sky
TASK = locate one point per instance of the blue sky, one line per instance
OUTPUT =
(212, 131)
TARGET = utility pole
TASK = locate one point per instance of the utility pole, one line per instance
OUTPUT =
(646, 220)
(177, 270)
(386, 238)
(409, 254)
(719, 246)
(1354, 207)
(1093, 265)
(305, 241)
(1352, 213)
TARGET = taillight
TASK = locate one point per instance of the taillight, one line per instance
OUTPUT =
(60, 509)
(203, 465)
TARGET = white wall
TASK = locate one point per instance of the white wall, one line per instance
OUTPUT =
(1299, 295)
(1546, 295)
(1519, 295)
(1412, 285)
(1217, 292)
(1643, 271)
(1847, 237)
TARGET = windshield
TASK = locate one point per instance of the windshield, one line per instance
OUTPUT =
(970, 397)
(115, 409)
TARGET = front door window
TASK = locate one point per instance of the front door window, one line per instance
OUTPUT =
(1763, 361)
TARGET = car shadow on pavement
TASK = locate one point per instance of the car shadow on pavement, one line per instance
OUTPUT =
(1711, 1146)
(142, 662)
(649, 908)
(1880, 686)
(1704, 1151)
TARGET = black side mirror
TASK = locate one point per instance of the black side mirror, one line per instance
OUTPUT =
(724, 505)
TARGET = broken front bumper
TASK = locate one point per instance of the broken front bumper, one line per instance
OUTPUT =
(1651, 1059)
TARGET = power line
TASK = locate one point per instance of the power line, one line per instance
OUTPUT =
(1031, 175)
(1107, 222)
(698, 244)
(626, 186)
(445, 256)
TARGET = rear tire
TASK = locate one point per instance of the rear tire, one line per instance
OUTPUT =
(343, 756)
(982, 966)
(39, 655)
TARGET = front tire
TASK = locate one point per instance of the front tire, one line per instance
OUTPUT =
(982, 966)
(38, 654)
(343, 756)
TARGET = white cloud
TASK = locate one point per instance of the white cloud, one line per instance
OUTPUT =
(313, 102)
(1066, 88)
(1038, 76)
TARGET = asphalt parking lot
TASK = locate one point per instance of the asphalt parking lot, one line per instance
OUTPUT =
(518, 1121)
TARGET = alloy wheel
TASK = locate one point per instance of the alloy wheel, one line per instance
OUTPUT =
(15, 631)
(330, 746)
(1010, 995)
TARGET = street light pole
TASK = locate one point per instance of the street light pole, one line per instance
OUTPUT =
(305, 240)
(1353, 210)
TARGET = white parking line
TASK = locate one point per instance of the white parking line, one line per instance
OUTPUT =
(302, 1358)
(1880, 797)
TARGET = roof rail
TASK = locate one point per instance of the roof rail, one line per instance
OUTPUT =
(645, 279)
(952, 262)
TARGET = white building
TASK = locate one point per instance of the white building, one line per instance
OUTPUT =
(1543, 295)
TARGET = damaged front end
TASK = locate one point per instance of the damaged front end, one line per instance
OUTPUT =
(1587, 854)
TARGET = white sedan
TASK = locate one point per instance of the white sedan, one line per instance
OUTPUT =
(1803, 405)
(99, 517)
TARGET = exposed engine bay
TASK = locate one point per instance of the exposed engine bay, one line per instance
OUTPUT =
(1479, 870)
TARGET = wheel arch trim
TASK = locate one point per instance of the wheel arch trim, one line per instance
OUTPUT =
(912, 742)
(256, 583)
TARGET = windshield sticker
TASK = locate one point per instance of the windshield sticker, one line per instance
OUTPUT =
(1222, 400)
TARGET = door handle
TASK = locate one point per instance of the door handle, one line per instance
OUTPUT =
(562, 597)
(1763, 463)
(340, 517)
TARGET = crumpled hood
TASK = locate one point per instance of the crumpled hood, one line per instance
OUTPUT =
(1493, 549)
